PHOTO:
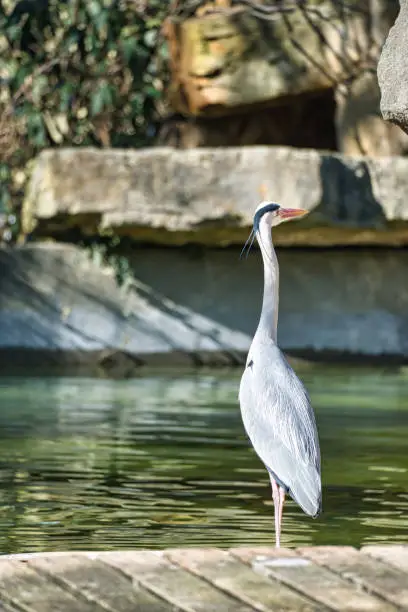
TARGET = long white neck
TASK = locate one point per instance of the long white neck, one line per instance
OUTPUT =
(268, 322)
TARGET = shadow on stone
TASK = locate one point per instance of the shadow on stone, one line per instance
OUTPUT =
(57, 307)
(348, 199)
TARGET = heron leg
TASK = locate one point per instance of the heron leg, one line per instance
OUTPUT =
(281, 502)
(278, 494)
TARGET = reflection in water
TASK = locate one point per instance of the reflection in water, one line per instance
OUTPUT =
(163, 461)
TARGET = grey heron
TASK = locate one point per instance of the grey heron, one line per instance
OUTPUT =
(275, 407)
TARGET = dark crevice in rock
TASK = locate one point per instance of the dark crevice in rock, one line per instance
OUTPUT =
(305, 121)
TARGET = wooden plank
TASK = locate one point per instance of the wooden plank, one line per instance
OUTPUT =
(172, 583)
(98, 583)
(24, 588)
(384, 580)
(237, 579)
(395, 555)
(316, 582)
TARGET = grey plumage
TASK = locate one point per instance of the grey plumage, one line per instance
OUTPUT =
(279, 421)
(275, 406)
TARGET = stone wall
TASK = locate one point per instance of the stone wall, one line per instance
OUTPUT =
(180, 219)
(196, 306)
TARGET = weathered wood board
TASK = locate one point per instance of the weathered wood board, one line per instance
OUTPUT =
(208, 580)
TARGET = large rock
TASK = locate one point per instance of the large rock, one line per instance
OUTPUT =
(197, 306)
(207, 196)
(273, 78)
(393, 71)
(232, 58)
(360, 127)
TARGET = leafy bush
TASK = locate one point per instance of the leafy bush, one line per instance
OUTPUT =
(74, 73)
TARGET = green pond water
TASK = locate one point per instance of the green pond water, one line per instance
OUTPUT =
(162, 461)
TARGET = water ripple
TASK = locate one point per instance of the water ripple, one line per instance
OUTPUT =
(163, 461)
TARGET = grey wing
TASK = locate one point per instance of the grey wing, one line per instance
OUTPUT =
(280, 423)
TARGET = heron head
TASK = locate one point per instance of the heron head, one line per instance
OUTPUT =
(274, 214)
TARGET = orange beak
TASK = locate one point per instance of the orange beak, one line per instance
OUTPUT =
(291, 213)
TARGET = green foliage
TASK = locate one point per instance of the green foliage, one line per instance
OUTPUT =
(112, 252)
(75, 73)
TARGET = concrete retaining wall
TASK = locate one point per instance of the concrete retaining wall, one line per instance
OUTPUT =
(197, 306)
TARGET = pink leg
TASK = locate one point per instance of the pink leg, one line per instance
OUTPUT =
(281, 502)
(278, 494)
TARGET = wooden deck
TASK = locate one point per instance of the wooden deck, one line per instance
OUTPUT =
(208, 580)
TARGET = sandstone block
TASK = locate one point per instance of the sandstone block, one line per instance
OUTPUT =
(207, 196)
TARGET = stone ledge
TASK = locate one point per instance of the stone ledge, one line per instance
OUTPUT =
(207, 196)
